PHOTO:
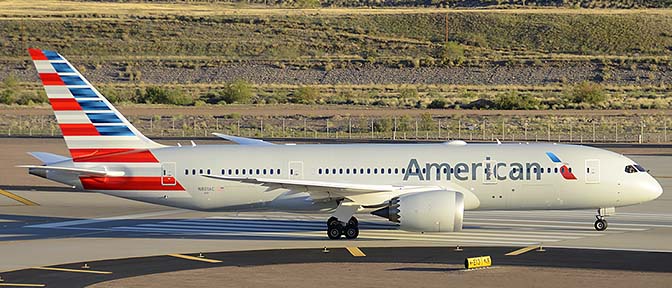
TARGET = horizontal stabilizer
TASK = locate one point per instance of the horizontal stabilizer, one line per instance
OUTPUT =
(48, 158)
(80, 171)
(243, 140)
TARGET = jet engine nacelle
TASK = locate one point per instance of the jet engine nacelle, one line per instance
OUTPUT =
(432, 211)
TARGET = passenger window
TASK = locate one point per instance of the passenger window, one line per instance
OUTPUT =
(375, 170)
(250, 172)
(186, 171)
(630, 169)
(361, 171)
(319, 171)
(258, 172)
(193, 171)
(278, 170)
(368, 170)
(208, 171)
(347, 171)
(396, 170)
(236, 171)
(556, 170)
(326, 171)
(354, 171)
(382, 170)
(333, 171)
(389, 170)
(271, 171)
(230, 172)
(340, 171)
(243, 171)
(403, 170)
(264, 171)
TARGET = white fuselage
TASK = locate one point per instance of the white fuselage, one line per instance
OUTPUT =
(491, 176)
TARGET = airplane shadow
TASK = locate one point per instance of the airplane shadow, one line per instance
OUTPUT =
(425, 269)
(21, 227)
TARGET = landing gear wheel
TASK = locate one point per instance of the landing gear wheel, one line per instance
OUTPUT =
(353, 222)
(601, 225)
(332, 221)
(334, 232)
(351, 232)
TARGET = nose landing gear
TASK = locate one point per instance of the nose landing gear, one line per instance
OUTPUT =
(336, 228)
(601, 222)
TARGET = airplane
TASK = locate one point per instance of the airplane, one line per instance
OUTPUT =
(421, 187)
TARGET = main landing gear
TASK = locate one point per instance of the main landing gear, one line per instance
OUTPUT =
(601, 222)
(336, 228)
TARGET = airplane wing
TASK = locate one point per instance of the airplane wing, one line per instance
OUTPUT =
(363, 194)
(80, 171)
(243, 140)
(366, 195)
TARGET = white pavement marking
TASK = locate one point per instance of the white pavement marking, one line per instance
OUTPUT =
(105, 219)
(481, 228)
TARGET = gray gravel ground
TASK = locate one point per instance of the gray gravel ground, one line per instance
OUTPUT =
(263, 73)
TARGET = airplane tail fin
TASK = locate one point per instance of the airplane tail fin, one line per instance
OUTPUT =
(90, 125)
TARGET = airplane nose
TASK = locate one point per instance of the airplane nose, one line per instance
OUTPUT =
(653, 189)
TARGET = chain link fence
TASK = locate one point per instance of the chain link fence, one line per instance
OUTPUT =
(576, 129)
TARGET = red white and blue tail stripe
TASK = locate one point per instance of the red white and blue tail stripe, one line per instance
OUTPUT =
(93, 129)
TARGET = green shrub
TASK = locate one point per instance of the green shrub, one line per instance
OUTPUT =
(408, 93)
(383, 125)
(306, 3)
(514, 101)
(158, 95)
(452, 52)
(31, 97)
(588, 92)
(437, 104)
(238, 91)
(305, 95)
(9, 90)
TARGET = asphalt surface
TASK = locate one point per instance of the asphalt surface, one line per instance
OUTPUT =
(70, 227)
(563, 258)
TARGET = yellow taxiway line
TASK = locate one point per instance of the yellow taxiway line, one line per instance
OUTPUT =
(18, 198)
(72, 270)
(202, 259)
(355, 251)
(522, 250)
(21, 285)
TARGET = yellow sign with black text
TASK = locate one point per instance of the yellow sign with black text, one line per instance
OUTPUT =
(477, 262)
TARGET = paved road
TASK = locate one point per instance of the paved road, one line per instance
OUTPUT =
(106, 270)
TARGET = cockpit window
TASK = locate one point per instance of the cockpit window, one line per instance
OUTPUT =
(640, 168)
(630, 169)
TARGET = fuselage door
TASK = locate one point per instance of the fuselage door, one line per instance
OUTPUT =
(295, 170)
(592, 171)
(168, 174)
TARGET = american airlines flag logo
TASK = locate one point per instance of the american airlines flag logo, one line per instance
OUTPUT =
(564, 169)
(88, 122)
